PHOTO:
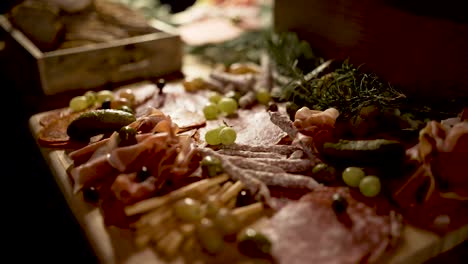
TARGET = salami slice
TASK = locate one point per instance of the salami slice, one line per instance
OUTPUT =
(54, 131)
(311, 231)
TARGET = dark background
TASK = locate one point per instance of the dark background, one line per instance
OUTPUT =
(39, 225)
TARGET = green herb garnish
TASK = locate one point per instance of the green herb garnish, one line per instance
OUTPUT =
(344, 87)
(347, 89)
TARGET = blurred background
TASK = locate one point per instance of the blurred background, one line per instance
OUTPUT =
(44, 228)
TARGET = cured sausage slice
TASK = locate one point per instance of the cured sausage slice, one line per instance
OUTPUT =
(310, 231)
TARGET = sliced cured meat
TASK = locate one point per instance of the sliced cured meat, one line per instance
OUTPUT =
(89, 173)
(142, 91)
(184, 110)
(129, 190)
(310, 231)
(51, 117)
(253, 127)
(55, 124)
(55, 129)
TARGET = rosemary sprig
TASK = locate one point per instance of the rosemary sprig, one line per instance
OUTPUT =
(347, 89)
(247, 47)
(291, 56)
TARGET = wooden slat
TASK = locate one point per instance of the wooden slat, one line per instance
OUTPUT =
(98, 65)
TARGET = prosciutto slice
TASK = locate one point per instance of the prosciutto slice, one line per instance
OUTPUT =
(309, 230)
(128, 190)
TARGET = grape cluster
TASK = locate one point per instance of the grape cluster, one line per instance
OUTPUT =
(369, 185)
(223, 134)
(219, 105)
(124, 100)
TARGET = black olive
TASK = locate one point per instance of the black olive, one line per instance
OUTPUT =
(142, 174)
(272, 107)
(244, 198)
(91, 195)
(106, 104)
(160, 84)
(127, 136)
(253, 244)
(339, 203)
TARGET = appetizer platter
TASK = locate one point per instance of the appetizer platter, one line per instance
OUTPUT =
(258, 162)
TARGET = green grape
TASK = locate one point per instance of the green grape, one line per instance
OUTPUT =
(227, 105)
(370, 186)
(209, 237)
(234, 95)
(214, 97)
(78, 103)
(188, 209)
(210, 111)
(91, 97)
(227, 136)
(352, 176)
(128, 94)
(212, 136)
(104, 95)
(263, 96)
(226, 222)
(212, 206)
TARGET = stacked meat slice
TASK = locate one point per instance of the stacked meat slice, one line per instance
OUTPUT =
(310, 230)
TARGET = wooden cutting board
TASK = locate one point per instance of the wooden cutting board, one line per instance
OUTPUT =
(113, 245)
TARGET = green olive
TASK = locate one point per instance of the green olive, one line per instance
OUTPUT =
(126, 108)
(127, 136)
(252, 243)
(211, 165)
(291, 109)
(323, 172)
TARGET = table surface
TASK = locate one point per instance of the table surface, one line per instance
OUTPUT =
(113, 245)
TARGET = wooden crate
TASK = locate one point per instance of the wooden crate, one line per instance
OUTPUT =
(423, 47)
(92, 66)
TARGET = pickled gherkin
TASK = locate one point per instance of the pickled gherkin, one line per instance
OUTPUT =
(364, 152)
(99, 121)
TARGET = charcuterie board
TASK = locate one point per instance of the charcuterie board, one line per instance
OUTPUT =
(115, 245)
